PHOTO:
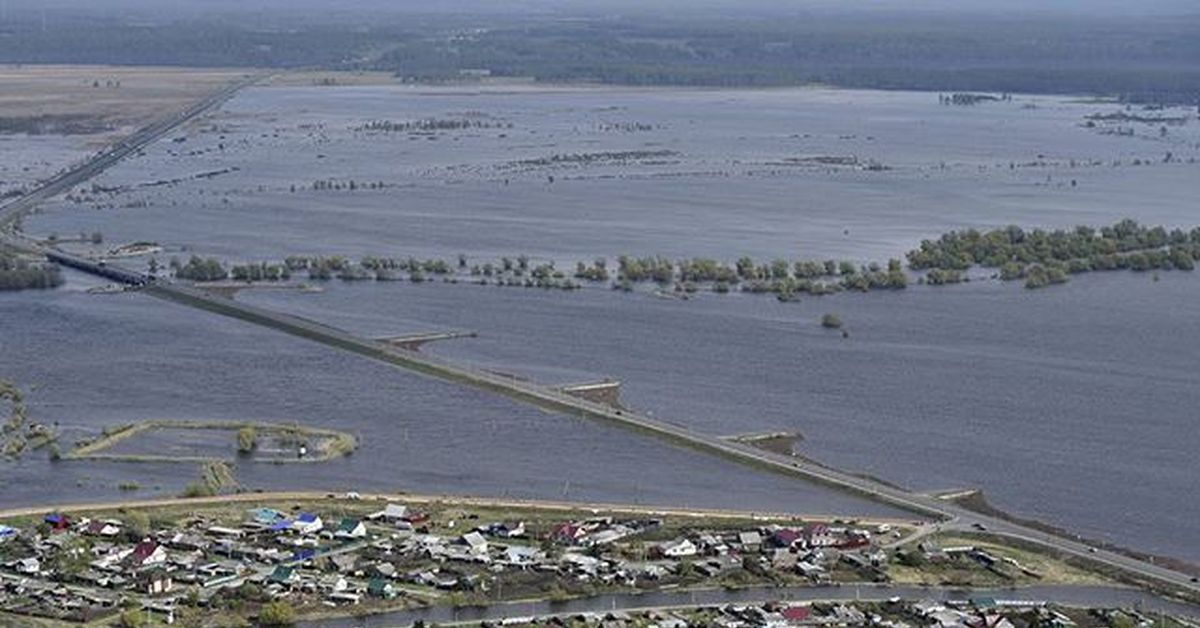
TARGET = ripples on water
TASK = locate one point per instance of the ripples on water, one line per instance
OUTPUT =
(97, 361)
(1070, 404)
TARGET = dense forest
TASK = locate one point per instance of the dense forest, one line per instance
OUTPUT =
(1143, 58)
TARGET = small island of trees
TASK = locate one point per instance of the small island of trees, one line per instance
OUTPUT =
(22, 273)
(1042, 258)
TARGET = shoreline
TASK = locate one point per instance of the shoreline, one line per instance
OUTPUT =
(444, 499)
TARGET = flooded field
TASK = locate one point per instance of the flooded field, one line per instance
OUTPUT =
(574, 174)
(1067, 404)
(27, 160)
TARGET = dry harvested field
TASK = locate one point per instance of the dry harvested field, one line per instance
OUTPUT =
(89, 100)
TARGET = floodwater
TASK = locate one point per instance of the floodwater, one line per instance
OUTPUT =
(29, 159)
(1073, 404)
(96, 361)
(726, 189)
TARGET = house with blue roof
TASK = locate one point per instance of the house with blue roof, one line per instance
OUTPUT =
(266, 516)
(307, 523)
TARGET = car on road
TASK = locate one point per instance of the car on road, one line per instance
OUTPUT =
(979, 526)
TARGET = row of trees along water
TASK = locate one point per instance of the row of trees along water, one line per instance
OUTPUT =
(780, 277)
(1038, 257)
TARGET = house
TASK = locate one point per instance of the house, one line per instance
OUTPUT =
(784, 558)
(843, 615)
(856, 561)
(796, 614)
(785, 537)
(506, 530)
(712, 546)
(146, 554)
(155, 581)
(283, 575)
(567, 533)
(342, 563)
(610, 535)
(679, 548)
(344, 597)
(221, 531)
(186, 541)
(818, 535)
(926, 608)
(7, 533)
(266, 516)
(307, 523)
(521, 555)
(350, 529)
(811, 571)
(932, 551)
(58, 522)
(990, 621)
(475, 542)
(29, 566)
(391, 513)
(750, 541)
(671, 622)
(381, 588)
(333, 584)
(383, 570)
(103, 528)
(580, 564)
(647, 571)
(948, 618)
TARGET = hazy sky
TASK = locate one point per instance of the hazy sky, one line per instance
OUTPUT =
(1086, 7)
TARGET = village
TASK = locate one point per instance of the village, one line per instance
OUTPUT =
(348, 555)
(968, 613)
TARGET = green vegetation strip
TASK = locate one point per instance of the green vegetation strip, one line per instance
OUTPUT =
(333, 443)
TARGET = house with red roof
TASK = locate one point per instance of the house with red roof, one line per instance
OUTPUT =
(785, 537)
(819, 535)
(567, 533)
(146, 554)
(796, 614)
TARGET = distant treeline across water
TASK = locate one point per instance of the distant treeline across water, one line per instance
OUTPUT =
(1141, 58)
